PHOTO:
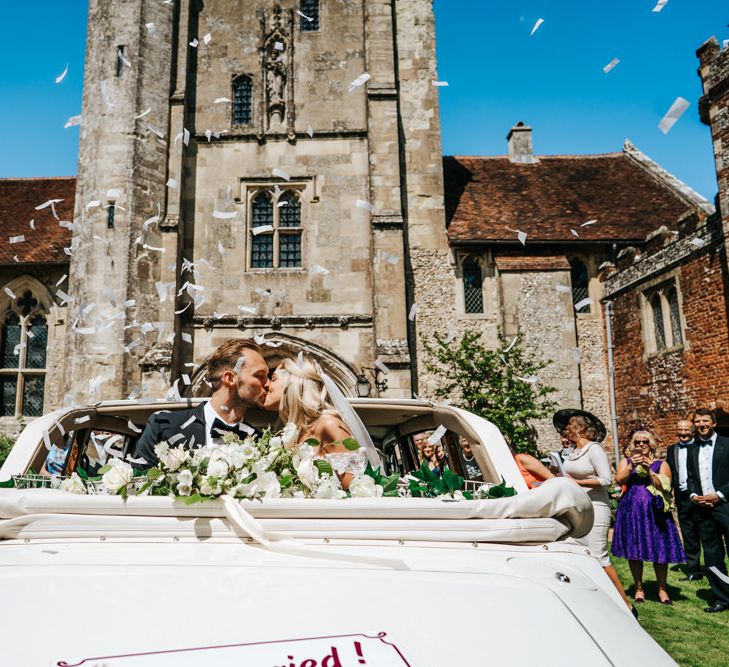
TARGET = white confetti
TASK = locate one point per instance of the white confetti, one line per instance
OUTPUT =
(310, 131)
(436, 435)
(261, 229)
(511, 345)
(574, 232)
(536, 25)
(278, 46)
(239, 364)
(151, 29)
(133, 427)
(522, 237)
(143, 114)
(252, 310)
(280, 173)
(82, 420)
(304, 16)
(161, 291)
(50, 202)
(185, 136)
(194, 43)
(186, 337)
(440, 84)
(699, 243)
(588, 223)
(451, 333)
(359, 81)
(185, 379)
(224, 215)
(172, 183)
(95, 203)
(262, 292)
(188, 422)
(207, 38)
(673, 114)
(718, 573)
(31, 224)
(660, 5)
(413, 312)
(153, 248)
(382, 366)
(124, 60)
(576, 354)
(610, 65)
(582, 303)
(260, 340)
(61, 279)
(9, 292)
(319, 269)
(73, 121)
(17, 239)
(62, 75)
(222, 100)
(361, 203)
(65, 298)
(300, 359)
(221, 248)
(155, 130)
(532, 379)
(563, 289)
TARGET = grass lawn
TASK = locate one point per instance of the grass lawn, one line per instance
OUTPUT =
(692, 637)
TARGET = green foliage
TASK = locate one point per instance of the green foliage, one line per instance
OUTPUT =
(388, 483)
(428, 485)
(6, 444)
(500, 385)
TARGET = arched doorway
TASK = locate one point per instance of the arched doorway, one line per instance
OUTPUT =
(278, 346)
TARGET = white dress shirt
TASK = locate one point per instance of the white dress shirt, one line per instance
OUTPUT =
(214, 439)
(683, 465)
(706, 458)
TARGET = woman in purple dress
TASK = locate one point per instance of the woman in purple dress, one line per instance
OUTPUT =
(644, 527)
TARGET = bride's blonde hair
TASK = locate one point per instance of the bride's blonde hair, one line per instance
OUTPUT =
(304, 398)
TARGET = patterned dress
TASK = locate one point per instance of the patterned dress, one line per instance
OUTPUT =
(643, 530)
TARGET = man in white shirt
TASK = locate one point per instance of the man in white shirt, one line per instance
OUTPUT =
(688, 515)
(708, 485)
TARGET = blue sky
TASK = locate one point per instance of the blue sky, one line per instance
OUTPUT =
(498, 74)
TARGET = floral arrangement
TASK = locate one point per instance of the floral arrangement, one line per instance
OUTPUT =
(265, 466)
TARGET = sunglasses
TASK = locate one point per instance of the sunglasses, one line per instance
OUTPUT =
(641, 442)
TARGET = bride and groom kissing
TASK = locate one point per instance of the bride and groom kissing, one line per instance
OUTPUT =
(300, 392)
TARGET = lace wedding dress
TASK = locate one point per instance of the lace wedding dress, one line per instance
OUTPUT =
(353, 463)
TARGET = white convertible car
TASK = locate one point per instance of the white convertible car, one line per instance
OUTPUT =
(95, 580)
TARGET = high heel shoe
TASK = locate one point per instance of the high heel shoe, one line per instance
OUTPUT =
(639, 596)
(666, 600)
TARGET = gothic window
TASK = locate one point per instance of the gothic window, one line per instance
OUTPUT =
(664, 330)
(309, 15)
(119, 61)
(580, 285)
(110, 215)
(242, 100)
(472, 286)
(23, 345)
(276, 230)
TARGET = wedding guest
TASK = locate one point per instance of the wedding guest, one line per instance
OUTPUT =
(238, 375)
(644, 528)
(427, 455)
(688, 516)
(588, 466)
(56, 460)
(471, 467)
(531, 468)
(708, 485)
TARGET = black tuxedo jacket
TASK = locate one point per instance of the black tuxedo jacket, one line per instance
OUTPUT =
(672, 460)
(719, 467)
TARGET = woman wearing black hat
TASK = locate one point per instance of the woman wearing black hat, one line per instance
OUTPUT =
(588, 465)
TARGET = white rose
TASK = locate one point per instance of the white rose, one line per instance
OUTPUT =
(329, 488)
(289, 435)
(365, 487)
(184, 483)
(172, 459)
(73, 484)
(275, 442)
(218, 467)
(308, 474)
(118, 476)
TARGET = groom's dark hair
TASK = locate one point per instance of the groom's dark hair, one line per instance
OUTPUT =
(226, 357)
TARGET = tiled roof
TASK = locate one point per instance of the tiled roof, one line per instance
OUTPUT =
(45, 243)
(486, 195)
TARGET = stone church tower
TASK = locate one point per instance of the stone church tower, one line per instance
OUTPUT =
(250, 167)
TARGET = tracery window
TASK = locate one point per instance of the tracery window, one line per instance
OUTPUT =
(242, 100)
(472, 286)
(663, 325)
(580, 285)
(23, 347)
(276, 229)
(309, 14)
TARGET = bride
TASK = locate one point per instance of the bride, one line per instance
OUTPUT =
(301, 395)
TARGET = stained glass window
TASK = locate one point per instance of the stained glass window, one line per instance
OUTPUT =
(672, 298)
(472, 287)
(119, 61)
(660, 331)
(242, 100)
(310, 18)
(110, 215)
(580, 292)
(11, 339)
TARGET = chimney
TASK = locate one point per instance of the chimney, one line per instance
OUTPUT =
(520, 144)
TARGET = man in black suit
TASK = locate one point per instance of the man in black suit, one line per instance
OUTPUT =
(238, 376)
(688, 515)
(708, 484)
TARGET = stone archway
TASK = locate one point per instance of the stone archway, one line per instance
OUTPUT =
(282, 346)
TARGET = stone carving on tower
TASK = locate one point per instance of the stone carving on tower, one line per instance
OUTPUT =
(278, 72)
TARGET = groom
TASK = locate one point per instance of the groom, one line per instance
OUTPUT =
(238, 375)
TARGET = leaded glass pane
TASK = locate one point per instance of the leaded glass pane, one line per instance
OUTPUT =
(37, 343)
(8, 391)
(262, 210)
(472, 289)
(672, 297)
(242, 100)
(33, 395)
(10, 339)
(658, 322)
(290, 249)
(289, 210)
(578, 273)
(262, 252)
(310, 18)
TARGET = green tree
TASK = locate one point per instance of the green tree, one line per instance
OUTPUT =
(500, 385)
(6, 444)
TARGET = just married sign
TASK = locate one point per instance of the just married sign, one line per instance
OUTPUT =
(335, 651)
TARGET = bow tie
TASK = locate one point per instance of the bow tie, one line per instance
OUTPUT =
(684, 444)
(220, 426)
(704, 442)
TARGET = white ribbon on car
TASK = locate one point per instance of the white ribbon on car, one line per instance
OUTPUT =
(242, 520)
